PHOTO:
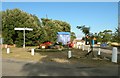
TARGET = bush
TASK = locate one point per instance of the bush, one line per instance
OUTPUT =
(18, 44)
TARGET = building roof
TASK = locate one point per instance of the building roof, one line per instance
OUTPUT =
(63, 33)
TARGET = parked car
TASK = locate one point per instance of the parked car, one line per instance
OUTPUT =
(103, 45)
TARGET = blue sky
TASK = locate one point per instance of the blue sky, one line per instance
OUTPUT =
(97, 15)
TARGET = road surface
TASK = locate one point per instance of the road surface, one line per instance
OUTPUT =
(13, 67)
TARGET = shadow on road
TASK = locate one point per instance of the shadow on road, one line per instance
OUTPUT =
(73, 67)
(58, 69)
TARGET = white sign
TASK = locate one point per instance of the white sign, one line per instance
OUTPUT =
(30, 29)
(23, 29)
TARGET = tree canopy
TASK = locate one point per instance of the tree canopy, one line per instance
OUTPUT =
(45, 30)
(116, 35)
(104, 36)
(51, 27)
(18, 18)
(85, 30)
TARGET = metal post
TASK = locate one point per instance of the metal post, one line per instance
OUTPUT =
(24, 38)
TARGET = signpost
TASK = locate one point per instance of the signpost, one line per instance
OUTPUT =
(30, 29)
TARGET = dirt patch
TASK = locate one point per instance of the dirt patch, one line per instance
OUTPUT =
(78, 56)
(60, 60)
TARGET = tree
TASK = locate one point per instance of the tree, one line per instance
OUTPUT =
(116, 35)
(104, 36)
(85, 30)
(73, 36)
(0, 23)
(51, 27)
(42, 31)
(18, 18)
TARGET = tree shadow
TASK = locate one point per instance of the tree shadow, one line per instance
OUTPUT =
(48, 67)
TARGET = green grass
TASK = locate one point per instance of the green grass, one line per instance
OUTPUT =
(21, 53)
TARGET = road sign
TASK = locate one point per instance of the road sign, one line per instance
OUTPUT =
(30, 29)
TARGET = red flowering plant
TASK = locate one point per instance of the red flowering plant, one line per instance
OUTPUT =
(70, 44)
(46, 44)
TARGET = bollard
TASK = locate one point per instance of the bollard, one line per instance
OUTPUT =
(83, 47)
(32, 52)
(88, 49)
(99, 51)
(69, 54)
(6, 46)
(79, 47)
(114, 55)
(8, 50)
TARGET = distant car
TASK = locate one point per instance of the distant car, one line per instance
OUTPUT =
(103, 45)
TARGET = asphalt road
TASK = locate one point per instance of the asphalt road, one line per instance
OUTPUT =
(13, 67)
